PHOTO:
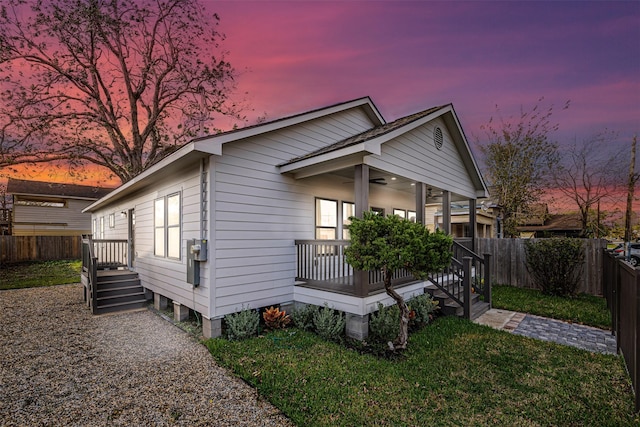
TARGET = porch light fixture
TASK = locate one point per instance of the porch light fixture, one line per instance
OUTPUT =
(123, 214)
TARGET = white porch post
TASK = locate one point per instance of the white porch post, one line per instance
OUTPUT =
(446, 211)
(421, 200)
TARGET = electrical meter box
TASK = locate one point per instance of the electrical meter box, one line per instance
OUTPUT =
(199, 249)
(196, 253)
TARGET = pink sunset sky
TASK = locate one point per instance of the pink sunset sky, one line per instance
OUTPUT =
(409, 56)
(294, 56)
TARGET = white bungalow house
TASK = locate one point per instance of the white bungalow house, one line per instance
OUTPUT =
(259, 216)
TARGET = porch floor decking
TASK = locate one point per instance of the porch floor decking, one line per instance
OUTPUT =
(345, 285)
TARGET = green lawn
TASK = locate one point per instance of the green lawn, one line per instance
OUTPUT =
(454, 373)
(44, 273)
(585, 309)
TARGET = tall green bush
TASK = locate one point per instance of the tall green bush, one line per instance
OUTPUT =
(555, 264)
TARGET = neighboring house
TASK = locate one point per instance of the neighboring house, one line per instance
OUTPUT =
(51, 209)
(256, 216)
(487, 219)
(559, 225)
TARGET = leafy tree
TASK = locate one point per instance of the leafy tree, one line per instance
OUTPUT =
(118, 83)
(518, 156)
(588, 174)
(390, 244)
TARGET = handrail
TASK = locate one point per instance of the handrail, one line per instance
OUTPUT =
(90, 266)
(481, 269)
(467, 273)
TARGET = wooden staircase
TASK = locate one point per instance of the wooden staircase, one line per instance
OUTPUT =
(118, 290)
(464, 287)
(449, 307)
(109, 285)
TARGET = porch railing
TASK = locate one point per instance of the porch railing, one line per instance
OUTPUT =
(111, 253)
(322, 265)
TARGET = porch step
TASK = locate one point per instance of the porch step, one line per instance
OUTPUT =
(119, 290)
(449, 307)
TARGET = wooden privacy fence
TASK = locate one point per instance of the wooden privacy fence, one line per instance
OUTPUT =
(508, 263)
(39, 248)
(622, 290)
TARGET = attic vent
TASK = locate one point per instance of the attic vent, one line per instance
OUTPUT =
(437, 137)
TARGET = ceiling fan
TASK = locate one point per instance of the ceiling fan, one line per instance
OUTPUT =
(379, 181)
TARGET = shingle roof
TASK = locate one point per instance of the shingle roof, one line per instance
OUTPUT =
(367, 135)
(557, 222)
(21, 186)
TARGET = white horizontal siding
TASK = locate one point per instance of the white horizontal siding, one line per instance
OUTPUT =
(415, 156)
(163, 275)
(259, 213)
(44, 220)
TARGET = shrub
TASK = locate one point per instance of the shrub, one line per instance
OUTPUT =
(383, 325)
(243, 324)
(274, 318)
(303, 317)
(329, 324)
(555, 264)
(423, 307)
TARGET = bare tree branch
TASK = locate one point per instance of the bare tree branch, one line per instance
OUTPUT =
(119, 83)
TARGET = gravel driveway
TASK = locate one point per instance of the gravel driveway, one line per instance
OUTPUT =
(63, 366)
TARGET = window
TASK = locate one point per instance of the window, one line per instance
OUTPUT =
(400, 212)
(411, 216)
(101, 232)
(43, 203)
(166, 225)
(112, 220)
(348, 210)
(326, 219)
(379, 211)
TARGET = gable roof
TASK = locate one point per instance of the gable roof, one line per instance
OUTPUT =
(370, 142)
(41, 188)
(366, 135)
(557, 223)
(205, 146)
(366, 142)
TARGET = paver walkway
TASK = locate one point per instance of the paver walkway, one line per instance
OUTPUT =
(580, 336)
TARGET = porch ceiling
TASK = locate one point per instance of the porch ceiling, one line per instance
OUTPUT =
(398, 183)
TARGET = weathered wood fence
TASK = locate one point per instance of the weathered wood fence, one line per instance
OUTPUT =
(508, 263)
(39, 248)
(622, 290)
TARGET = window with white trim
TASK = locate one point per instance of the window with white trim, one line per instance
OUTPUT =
(326, 219)
(166, 225)
(348, 210)
(401, 213)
